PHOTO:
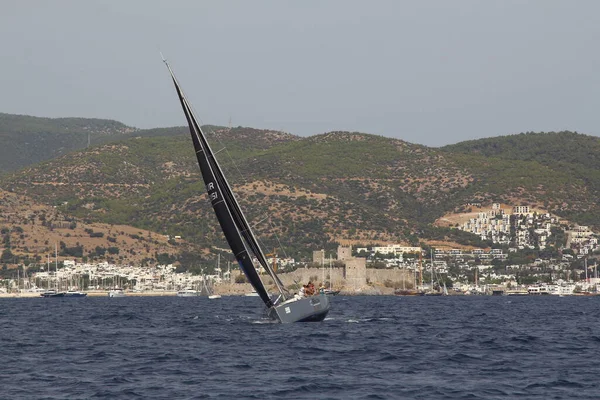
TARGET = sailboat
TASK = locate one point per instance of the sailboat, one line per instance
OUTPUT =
(56, 292)
(283, 307)
(211, 290)
(208, 289)
(51, 292)
(416, 290)
(116, 291)
(330, 291)
(432, 290)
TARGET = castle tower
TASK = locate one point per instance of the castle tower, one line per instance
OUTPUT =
(344, 253)
(356, 272)
(318, 256)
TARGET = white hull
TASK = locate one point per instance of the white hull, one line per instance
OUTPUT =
(188, 294)
(306, 309)
(116, 293)
(214, 296)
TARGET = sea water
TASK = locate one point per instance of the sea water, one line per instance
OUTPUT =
(369, 347)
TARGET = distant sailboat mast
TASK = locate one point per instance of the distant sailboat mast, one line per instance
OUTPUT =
(431, 256)
(330, 274)
(323, 266)
(56, 265)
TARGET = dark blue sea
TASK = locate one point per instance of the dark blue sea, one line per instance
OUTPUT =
(370, 347)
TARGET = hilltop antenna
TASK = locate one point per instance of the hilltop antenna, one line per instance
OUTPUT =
(230, 123)
(88, 145)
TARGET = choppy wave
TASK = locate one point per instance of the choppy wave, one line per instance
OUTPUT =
(369, 347)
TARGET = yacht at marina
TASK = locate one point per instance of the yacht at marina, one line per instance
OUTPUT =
(188, 292)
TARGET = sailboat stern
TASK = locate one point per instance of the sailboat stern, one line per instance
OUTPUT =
(307, 309)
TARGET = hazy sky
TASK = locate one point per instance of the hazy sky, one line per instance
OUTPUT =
(429, 72)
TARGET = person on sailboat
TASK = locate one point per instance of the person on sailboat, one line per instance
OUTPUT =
(302, 292)
(310, 289)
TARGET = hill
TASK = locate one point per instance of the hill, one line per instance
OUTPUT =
(30, 231)
(314, 192)
(562, 171)
(28, 140)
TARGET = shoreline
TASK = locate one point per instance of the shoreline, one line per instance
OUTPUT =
(163, 293)
(30, 295)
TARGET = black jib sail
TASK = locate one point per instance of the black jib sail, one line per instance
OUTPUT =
(231, 219)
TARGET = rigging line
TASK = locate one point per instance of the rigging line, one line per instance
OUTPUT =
(226, 190)
(202, 142)
(249, 238)
(247, 232)
(245, 181)
(274, 276)
(235, 166)
(218, 151)
(255, 225)
(281, 246)
(233, 163)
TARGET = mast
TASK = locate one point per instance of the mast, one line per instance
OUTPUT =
(587, 280)
(323, 266)
(233, 222)
(421, 269)
(56, 264)
(415, 278)
(330, 274)
(431, 255)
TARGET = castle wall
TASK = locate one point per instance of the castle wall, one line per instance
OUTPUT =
(351, 278)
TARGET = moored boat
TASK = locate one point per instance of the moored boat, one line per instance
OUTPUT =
(74, 293)
(408, 292)
(116, 292)
(52, 293)
(188, 292)
(538, 290)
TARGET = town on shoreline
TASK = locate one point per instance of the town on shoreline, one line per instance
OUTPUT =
(547, 258)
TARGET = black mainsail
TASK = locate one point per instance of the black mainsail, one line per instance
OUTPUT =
(238, 233)
(227, 210)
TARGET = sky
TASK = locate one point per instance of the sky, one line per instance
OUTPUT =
(431, 72)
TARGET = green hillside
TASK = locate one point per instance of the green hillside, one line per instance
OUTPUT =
(28, 140)
(560, 170)
(309, 192)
